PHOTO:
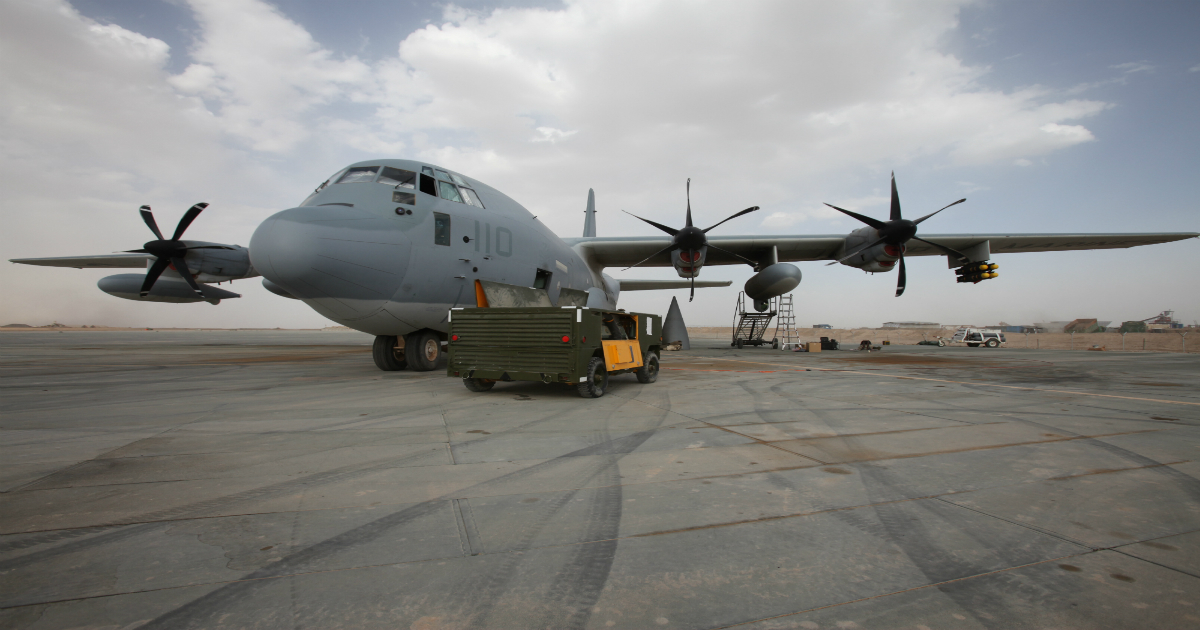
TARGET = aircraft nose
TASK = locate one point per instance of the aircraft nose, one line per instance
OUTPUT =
(338, 259)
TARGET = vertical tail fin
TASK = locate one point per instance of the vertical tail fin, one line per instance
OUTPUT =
(589, 219)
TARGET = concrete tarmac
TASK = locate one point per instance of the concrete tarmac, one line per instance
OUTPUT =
(278, 479)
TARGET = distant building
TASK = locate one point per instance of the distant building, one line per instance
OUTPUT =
(922, 325)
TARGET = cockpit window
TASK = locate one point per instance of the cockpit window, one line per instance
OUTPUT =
(448, 191)
(443, 175)
(359, 174)
(458, 180)
(472, 198)
(427, 171)
(398, 178)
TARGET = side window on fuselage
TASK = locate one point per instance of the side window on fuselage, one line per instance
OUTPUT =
(449, 192)
(441, 229)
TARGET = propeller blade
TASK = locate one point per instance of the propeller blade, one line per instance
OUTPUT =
(182, 268)
(669, 230)
(918, 221)
(148, 217)
(746, 211)
(209, 247)
(856, 252)
(665, 249)
(136, 251)
(875, 223)
(946, 250)
(738, 256)
(895, 201)
(902, 279)
(689, 200)
(187, 219)
(152, 275)
(692, 255)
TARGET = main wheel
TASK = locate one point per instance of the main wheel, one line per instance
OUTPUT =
(387, 357)
(973, 345)
(422, 349)
(478, 384)
(775, 343)
(648, 373)
(596, 381)
(739, 344)
(992, 343)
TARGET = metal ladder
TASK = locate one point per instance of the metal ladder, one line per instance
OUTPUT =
(785, 327)
(749, 327)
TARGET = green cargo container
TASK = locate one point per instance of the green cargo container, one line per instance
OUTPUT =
(573, 345)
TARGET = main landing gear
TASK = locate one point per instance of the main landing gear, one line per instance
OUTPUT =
(418, 351)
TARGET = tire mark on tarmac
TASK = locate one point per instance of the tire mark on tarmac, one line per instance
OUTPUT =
(147, 521)
(206, 610)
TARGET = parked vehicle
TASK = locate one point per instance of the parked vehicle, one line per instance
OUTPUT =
(574, 345)
(975, 337)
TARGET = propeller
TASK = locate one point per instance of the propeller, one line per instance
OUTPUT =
(690, 239)
(896, 232)
(170, 251)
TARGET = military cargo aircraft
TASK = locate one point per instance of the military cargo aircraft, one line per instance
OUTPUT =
(388, 247)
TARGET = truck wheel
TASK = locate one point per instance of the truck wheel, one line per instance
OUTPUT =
(478, 384)
(739, 344)
(992, 343)
(941, 343)
(422, 349)
(973, 345)
(648, 373)
(596, 380)
(385, 354)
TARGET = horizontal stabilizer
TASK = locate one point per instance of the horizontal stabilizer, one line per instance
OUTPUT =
(105, 261)
(656, 285)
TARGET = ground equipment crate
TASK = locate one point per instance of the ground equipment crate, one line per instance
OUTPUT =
(579, 346)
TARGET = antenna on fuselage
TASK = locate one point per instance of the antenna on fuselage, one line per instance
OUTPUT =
(589, 215)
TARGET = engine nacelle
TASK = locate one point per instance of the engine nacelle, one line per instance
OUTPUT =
(772, 282)
(166, 289)
(878, 259)
(218, 265)
(688, 264)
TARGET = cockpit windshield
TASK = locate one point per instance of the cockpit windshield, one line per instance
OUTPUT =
(359, 174)
(398, 178)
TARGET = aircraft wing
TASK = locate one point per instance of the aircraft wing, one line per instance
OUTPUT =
(105, 261)
(655, 285)
(625, 251)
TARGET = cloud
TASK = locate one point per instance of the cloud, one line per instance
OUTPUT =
(1195, 68)
(782, 106)
(1133, 67)
(552, 135)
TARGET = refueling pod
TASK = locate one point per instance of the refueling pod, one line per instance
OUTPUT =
(773, 281)
(167, 289)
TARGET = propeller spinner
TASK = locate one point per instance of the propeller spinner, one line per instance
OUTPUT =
(896, 232)
(170, 251)
(690, 239)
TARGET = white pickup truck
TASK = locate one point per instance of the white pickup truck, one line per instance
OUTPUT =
(974, 337)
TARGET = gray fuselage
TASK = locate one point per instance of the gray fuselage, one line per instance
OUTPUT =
(361, 255)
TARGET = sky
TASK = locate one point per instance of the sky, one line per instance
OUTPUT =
(1048, 116)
